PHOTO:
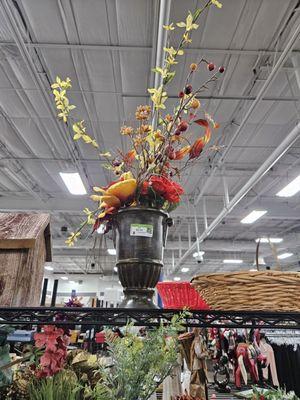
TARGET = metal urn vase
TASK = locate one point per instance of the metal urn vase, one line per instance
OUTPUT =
(140, 236)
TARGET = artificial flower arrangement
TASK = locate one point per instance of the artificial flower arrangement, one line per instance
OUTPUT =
(162, 144)
(134, 368)
(273, 394)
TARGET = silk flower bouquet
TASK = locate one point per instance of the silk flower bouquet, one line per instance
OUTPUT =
(162, 145)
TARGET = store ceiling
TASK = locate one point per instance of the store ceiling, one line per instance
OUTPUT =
(107, 48)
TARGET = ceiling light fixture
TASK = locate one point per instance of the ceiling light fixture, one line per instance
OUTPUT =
(185, 269)
(112, 252)
(267, 240)
(73, 282)
(291, 189)
(198, 253)
(48, 268)
(284, 255)
(116, 269)
(177, 278)
(253, 216)
(73, 182)
(64, 278)
(232, 261)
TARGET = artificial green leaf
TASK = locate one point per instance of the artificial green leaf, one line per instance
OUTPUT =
(169, 77)
(77, 136)
(76, 128)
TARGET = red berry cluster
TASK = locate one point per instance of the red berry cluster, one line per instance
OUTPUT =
(211, 67)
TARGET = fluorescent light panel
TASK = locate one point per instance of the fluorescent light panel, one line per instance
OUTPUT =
(177, 278)
(198, 253)
(185, 269)
(291, 189)
(253, 216)
(48, 268)
(284, 255)
(267, 240)
(233, 261)
(64, 278)
(73, 182)
(112, 252)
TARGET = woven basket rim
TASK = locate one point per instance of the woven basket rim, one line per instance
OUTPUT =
(249, 273)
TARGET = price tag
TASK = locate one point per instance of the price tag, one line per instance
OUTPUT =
(145, 230)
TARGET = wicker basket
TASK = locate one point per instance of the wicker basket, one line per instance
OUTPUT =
(250, 290)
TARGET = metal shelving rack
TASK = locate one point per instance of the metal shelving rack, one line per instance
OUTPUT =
(89, 317)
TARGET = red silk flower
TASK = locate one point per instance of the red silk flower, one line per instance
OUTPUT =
(166, 188)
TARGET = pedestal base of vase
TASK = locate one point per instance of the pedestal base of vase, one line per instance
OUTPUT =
(138, 298)
(140, 236)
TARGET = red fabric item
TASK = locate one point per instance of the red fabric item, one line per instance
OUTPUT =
(242, 350)
(179, 295)
(100, 337)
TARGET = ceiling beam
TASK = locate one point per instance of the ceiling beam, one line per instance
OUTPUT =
(255, 178)
(145, 95)
(17, 34)
(278, 210)
(190, 50)
(258, 98)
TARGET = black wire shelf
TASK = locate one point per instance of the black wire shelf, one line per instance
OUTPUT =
(17, 316)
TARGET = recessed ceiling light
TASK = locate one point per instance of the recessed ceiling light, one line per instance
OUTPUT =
(291, 189)
(185, 269)
(73, 282)
(116, 269)
(232, 261)
(198, 253)
(177, 278)
(253, 216)
(267, 240)
(112, 252)
(284, 255)
(73, 182)
(64, 278)
(48, 268)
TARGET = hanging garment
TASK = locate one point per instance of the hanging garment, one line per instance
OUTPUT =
(198, 383)
(244, 362)
(267, 350)
(287, 359)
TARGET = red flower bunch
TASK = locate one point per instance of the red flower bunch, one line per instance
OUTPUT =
(169, 190)
(55, 342)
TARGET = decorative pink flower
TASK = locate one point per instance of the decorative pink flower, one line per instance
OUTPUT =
(55, 342)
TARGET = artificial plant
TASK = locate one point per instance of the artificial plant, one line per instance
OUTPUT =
(163, 141)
